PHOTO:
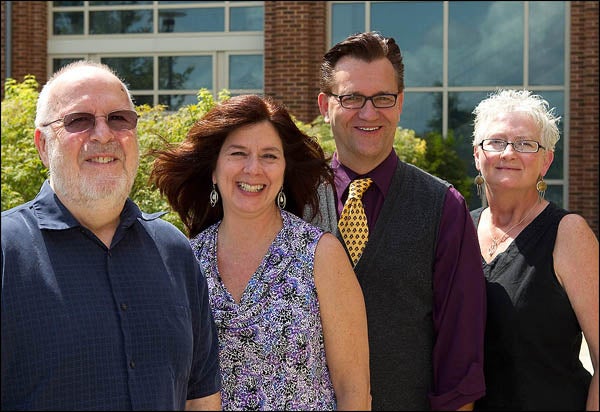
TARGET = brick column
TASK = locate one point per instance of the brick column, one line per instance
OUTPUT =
(29, 40)
(295, 41)
(583, 124)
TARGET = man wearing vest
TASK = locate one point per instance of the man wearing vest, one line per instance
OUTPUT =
(420, 268)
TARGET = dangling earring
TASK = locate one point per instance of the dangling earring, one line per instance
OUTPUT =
(541, 187)
(281, 200)
(214, 196)
(479, 183)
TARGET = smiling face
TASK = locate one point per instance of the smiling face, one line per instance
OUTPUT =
(97, 164)
(250, 170)
(510, 169)
(364, 137)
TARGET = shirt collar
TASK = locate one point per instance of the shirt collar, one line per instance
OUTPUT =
(52, 214)
(381, 175)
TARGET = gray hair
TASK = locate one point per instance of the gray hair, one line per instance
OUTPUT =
(48, 105)
(524, 101)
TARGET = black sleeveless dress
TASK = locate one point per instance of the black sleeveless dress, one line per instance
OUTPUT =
(532, 338)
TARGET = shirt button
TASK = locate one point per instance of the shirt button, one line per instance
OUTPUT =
(123, 306)
(132, 364)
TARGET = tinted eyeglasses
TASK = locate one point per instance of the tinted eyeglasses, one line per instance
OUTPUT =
(81, 122)
(522, 146)
(358, 101)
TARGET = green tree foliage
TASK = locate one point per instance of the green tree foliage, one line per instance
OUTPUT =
(441, 159)
(23, 173)
(22, 169)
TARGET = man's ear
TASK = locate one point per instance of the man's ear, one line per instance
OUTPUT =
(323, 101)
(400, 101)
(40, 141)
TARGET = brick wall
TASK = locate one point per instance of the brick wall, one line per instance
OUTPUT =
(29, 40)
(295, 41)
(583, 125)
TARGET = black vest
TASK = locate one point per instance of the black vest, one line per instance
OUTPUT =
(395, 273)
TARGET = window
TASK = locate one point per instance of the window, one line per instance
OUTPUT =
(164, 50)
(457, 52)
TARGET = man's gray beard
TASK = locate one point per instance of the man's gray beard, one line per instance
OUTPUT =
(90, 192)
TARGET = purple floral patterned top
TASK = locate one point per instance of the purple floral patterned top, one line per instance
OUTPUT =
(271, 349)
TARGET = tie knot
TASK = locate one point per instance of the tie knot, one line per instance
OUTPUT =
(358, 187)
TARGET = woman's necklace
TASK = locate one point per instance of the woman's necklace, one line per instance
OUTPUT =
(497, 242)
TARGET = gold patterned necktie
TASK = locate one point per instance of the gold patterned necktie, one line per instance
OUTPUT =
(353, 221)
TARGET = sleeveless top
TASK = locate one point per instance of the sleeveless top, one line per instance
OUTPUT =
(271, 346)
(532, 339)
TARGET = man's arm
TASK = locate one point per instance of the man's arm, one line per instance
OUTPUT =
(459, 312)
(207, 403)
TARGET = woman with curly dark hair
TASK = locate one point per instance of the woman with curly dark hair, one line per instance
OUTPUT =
(289, 310)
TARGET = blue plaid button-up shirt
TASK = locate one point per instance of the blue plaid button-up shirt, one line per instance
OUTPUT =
(88, 327)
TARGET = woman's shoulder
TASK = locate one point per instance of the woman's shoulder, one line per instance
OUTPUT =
(204, 236)
(573, 225)
(299, 224)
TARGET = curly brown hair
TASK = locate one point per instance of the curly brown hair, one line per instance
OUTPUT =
(183, 172)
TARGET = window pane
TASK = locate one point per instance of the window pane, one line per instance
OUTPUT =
(554, 193)
(556, 100)
(68, 22)
(140, 99)
(546, 43)
(246, 71)
(175, 101)
(58, 63)
(191, 20)
(246, 18)
(67, 3)
(186, 1)
(117, 3)
(346, 19)
(120, 21)
(185, 72)
(460, 123)
(422, 112)
(485, 44)
(417, 29)
(135, 71)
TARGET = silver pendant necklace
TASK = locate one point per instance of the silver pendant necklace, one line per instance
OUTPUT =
(497, 242)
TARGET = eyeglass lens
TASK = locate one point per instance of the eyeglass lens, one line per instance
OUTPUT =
(524, 146)
(117, 120)
(357, 101)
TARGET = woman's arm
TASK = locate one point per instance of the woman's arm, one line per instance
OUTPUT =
(344, 322)
(576, 265)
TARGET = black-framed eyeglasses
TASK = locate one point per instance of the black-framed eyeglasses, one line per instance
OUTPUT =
(499, 145)
(81, 122)
(358, 101)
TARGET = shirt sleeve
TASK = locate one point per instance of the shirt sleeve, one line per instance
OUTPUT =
(205, 369)
(459, 310)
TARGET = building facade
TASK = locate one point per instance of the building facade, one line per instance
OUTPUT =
(455, 53)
